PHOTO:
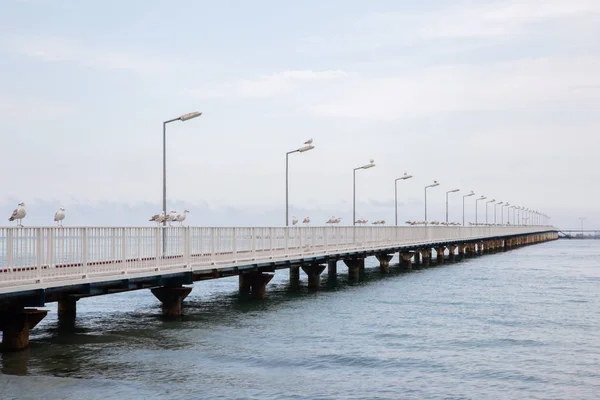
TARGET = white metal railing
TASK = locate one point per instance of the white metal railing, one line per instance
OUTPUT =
(39, 254)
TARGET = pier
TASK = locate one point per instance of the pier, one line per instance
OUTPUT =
(40, 265)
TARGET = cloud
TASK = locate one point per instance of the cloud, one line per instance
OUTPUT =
(18, 107)
(60, 49)
(463, 87)
(267, 86)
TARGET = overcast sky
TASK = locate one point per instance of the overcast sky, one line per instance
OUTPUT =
(499, 97)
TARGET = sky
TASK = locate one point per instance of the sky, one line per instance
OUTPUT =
(498, 97)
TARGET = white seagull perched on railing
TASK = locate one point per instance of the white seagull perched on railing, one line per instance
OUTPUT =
(294, 220)
(306, 220)
(158, 218)
(18, 214)
(181, 217)
(59, 216)
(331, 220)
(171, 217)
(337, 220)
(362, 221)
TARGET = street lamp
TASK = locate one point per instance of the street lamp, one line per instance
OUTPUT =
(182, 118)
(307, 146)
(502, 213)
(581, 219)
(495, 209)
(466, 195)
(486, 209)
(434, 184)
(476, 200)
(404, 177)
(449, 191)
(514, 208)
(371, 164)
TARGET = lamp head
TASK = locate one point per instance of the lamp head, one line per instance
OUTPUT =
(191, 115)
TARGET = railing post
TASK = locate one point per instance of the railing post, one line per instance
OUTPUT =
(86, 249)
(212, 244)
(271, 241)
(314, 238)
(253, 233)
(9, 248)
(234, 242)
(39, 253)
(158, 250)
(124, 249)
(325, 241)
(186, 246)
(287, 237)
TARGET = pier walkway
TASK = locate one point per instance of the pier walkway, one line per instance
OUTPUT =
(39, 265)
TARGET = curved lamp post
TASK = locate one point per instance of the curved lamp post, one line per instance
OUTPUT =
(502, 213)
(404, 177)
(495, 208)
(307, 146)
(476, 206)
(449, 191)
(371, 164)
(434, 184)
(466, 195)
(486, 209)
(183, 118)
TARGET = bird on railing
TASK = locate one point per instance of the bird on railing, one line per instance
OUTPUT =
(379, 222)
(158, 218)
(294, 220)
(59, 216)
(337, 220)
(306, 220)
(181, 217)
(362, 221)
(18, 214)
(331, 220)
(171, 217)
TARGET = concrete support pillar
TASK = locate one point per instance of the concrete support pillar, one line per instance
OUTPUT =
(469, 249)
(15, 326)
(425, 256)
(331, 268)
(355, 265)
(67, 309)
(384, 262)
(417, 257)
(171, 298)
(480, 248)
(255, 282)
(452, 252)
(440, 254)
(461, 250)
(314, 272)
(405, 259)
(294, 273)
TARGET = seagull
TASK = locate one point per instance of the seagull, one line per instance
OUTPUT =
(181, 217)
(18, 214)
(294, 220)
(59, 216)
(309, 141)
(158, 218)
(362, 221)
(306, 220)
(171, 217)
(331, 220)
(337, 220)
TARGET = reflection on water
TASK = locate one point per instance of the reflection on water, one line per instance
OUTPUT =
(513, 325)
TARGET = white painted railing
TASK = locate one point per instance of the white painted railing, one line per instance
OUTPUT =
(39, 254)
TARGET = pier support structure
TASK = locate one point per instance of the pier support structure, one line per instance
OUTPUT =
(255, 283)
(332, 268)
(171, 298)
(67, 309)
(405, 259)
(294, 274)
(355, 265)
(452, 252)
(314, 275)
(16, 324)
(384, 262)
(440, 254)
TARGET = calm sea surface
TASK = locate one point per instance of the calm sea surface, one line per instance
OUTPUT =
(518, 325)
